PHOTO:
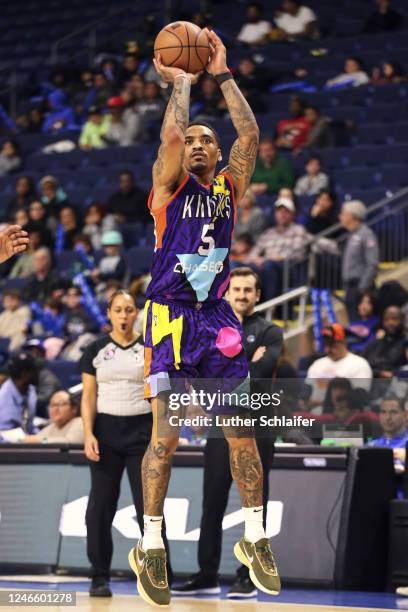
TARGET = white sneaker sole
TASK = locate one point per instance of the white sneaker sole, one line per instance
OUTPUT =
(250, 595)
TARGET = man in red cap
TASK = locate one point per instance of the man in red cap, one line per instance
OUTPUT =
(126, 126)
(338, 363)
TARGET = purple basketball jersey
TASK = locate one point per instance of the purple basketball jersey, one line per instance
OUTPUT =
(193, 232)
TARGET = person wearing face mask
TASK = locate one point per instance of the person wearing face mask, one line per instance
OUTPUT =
(117, 428)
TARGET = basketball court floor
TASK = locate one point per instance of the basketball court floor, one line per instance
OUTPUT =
(125, 598)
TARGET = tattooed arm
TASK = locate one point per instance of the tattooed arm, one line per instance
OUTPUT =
(244, 150)
(168, 170)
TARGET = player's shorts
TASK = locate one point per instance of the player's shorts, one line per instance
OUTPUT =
(184, 342)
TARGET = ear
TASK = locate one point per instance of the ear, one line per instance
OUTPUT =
(219, 155)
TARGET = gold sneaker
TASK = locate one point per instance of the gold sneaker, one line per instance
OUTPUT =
(150, 569)
(260, 561)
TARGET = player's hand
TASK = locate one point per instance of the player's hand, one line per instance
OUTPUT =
(218, 59)
(13, 240)
(92, 448)
(169, 73)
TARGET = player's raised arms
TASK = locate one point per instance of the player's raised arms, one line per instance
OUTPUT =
(168, 170)
(243, 153)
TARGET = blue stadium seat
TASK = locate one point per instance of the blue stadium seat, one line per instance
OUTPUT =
(67, 372)
(139, 260)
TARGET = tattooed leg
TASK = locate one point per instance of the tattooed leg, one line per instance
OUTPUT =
(246, 466)
(156, 465)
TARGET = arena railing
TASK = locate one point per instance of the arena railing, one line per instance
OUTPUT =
(286, 302)
(321, 267)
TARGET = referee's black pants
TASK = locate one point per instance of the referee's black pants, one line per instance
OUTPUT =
(122, 444)
(217, 484)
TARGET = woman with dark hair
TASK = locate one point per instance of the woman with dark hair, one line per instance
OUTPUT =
(65, 425)
(24, 194)
(117, 428)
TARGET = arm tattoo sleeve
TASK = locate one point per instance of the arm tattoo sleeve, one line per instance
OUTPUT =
(241, 114)
(177, 112)
(244, 150)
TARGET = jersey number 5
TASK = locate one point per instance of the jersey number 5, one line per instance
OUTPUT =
(208, 240)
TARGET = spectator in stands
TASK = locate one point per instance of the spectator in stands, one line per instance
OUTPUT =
(323, 213)
(52, 195)
(272, 170)
(251, 77)
(335, 392)
(384, 19)
(250, 218)
(255, 31)
(362, 331)
(360, 255)
(47, 383)
(77, 320)
(338, 363)
(61, 116)
(394, 427)
(40, 282)
(32, 122)
(129, 68)
(18, 398)
(10, 157)
(320, 134)
(125, 127)
(66, 424)
(347, 407)
(68, 218)
(208, 103)
(94, 130)
(20, 217)
(314, 181)
(102, 89)
(96, 223)
(354, 75)
(287, 240)
(386, 353)
(24, 194)
(387, 73)
(112, 265)
(295, 21)
(151, 106)
(292, 133)
(83, 92)
(38, 213)
(129, 204)
(14, 318)
(240, 250)
(23, 264)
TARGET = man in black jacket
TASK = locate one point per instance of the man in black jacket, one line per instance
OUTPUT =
(263, 344)
(129, 204)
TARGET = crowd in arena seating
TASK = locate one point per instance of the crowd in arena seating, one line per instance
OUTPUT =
(54, 296)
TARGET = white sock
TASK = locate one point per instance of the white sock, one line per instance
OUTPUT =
(254, 530)
(152, 537)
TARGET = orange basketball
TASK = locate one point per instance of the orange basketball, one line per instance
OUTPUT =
(183, 45)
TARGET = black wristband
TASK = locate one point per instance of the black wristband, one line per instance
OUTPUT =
(224, 76)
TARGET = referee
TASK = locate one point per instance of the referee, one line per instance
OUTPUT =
(263, 344)
(117, 429)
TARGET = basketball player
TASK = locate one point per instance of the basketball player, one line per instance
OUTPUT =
(190, 331)
(13, 240)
